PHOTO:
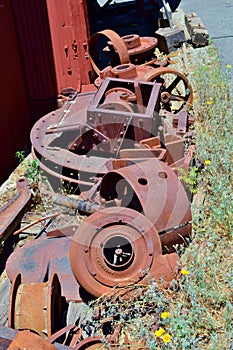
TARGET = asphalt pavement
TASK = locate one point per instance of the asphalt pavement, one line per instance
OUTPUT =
(217, 16)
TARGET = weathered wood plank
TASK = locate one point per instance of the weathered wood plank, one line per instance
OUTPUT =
(4, 302)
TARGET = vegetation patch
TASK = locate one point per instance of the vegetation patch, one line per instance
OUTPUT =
(198, 312)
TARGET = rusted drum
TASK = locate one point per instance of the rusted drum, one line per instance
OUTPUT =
(117, 247)
(152, 188)
(36, 306)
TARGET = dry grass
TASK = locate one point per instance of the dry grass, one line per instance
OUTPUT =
(201, 308)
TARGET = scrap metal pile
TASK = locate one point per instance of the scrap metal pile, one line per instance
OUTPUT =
(121, 145)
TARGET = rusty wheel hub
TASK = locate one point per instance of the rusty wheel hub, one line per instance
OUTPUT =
(117, 247)
(139, 48)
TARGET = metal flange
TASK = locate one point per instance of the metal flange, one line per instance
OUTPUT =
(117, 247)
(139, 48)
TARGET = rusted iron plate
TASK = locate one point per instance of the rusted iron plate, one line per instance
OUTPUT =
(116, 247)
(173, 147)
(36, 306)
(13, 211)
(26, 340)
(42, 257)
(7, 336)
(150, 187)
(140, 153)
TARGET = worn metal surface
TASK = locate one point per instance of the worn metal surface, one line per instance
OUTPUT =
(152, 188)
(36, 306)
(25, 340)
(84, 206)
(42, 258)
(116, 247)
(139, 48)
(13, 211)
(12, 113)
(34, 40)
(54, 36)
(74, 143)
(69, 30)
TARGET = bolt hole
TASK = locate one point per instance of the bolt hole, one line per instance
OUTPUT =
(162, 175)
(142, 181)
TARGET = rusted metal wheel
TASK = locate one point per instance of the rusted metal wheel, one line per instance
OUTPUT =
(139, 48)
(176, 90)
(91, 343)
(36, 306)
(116, 247)
(96, 53)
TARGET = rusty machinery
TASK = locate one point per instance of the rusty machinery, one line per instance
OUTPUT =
(122, 144)
(130, 94)
(74, 142)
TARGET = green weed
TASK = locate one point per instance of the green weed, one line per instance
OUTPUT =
(200, 309)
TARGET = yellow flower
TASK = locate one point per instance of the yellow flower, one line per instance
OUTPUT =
(185, 272)
(207, 162)
(229, 66)
(165, 314)
(166, 338)
(159, 332)
(209, 103)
